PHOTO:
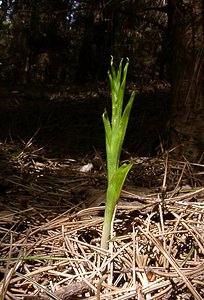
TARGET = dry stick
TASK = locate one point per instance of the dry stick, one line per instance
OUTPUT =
(195, 234)
(5, 284)
(41, 287)
(195, 272)
(173, 263)
(135, 284)
(10, 273)
(164, 187)
(161, 205)
(190, 194)
(176, 189)
(65, 293)
(141, 261)
(173, 235)
(199, 270)
(8, 277)
(162, 293)
(101, 280)
(134, 254)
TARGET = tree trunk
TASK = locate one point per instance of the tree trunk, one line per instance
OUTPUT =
(40, 40)
(187, 121)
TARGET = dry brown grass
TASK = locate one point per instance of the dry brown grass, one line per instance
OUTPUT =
(50, 237)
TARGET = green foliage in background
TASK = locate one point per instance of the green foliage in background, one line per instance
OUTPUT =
(114, 135)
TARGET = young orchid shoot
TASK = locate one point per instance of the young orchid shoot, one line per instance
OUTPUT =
(114, 136)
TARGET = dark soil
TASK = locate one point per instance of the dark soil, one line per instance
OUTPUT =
(67, 119)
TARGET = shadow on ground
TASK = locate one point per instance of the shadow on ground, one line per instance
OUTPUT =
(68, 119)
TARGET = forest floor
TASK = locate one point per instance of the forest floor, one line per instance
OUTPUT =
(52, 196)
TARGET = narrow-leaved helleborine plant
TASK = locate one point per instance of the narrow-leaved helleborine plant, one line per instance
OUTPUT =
(114, 135)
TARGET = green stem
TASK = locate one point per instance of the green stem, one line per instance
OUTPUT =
(108, 217)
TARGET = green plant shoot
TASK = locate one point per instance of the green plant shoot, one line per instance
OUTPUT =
(114, 136)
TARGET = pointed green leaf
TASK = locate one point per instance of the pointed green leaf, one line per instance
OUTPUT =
(125, 117)
(107, 127)
(116, 184)
(112, 196)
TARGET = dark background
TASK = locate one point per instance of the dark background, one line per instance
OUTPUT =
(54, 58)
